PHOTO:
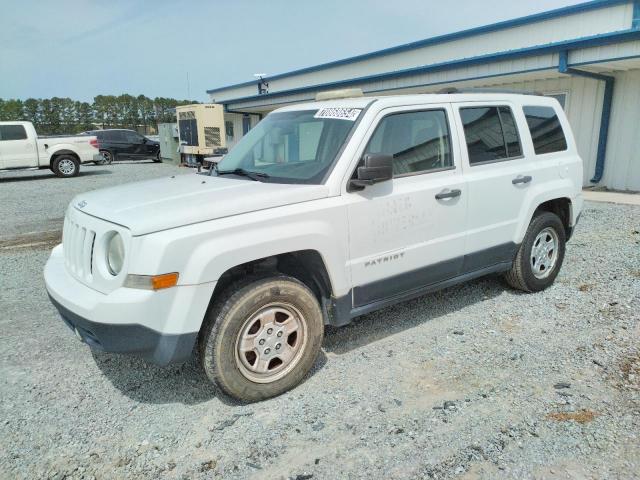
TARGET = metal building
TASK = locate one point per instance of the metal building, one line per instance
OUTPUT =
(586, 55)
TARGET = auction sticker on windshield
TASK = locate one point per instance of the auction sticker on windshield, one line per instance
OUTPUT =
(338, 113)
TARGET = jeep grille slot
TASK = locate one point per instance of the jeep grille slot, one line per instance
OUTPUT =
(77, 242)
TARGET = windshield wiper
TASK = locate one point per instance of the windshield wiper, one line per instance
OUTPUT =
(256, 176)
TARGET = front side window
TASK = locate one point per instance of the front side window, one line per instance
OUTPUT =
(491, 134)
(292, 147)
(228, 127)
(418, 141)
(12, 132)
(545, 128)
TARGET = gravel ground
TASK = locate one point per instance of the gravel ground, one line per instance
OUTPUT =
(476, 381)
(40, 198)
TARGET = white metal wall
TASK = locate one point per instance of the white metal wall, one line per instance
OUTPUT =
(622, 168)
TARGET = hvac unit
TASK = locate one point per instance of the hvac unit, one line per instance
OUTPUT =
(201, 132)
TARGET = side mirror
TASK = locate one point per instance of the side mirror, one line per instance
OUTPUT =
(375, 168)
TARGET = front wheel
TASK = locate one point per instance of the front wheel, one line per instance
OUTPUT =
(540, 256)
(262, 337)
(158, 158)
(66, 166)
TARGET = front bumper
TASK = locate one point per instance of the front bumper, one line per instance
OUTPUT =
(160, 326)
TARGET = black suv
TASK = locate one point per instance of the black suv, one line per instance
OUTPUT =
(118, 144)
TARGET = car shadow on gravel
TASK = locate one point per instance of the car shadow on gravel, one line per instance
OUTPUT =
(147, 383)
(4, 178)
(186, 383)
(388, 321)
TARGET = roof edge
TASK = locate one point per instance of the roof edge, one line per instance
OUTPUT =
(554, 47)
(447, 37)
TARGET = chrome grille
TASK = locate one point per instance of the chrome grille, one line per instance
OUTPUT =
(77, 243)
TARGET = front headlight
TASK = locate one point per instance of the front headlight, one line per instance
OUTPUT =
(115, 254)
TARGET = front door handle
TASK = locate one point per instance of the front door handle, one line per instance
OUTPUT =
(448, 194)
(522, 179)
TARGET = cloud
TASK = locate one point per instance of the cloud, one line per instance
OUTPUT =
(137, 13)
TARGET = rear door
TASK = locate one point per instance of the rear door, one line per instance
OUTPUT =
(120, 145)
(498, 176)
(408, 233)
(16, 149)
(136, 145)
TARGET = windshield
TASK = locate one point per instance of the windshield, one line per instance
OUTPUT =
(291, 147)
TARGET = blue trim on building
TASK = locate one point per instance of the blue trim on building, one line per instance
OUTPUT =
(605, 60)
(605, 117)
(635, 19)
(432, 84)
(537, 17)
(592, 41)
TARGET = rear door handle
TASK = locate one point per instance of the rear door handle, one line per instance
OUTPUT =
(448, 194)
(522, 179)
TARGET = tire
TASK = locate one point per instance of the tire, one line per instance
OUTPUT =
(66, 166)
(546, 237)
(263, 313)
(158, 158)
(108, 158)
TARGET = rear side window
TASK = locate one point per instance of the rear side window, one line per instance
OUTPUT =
(12, 132)
(491, 134)
(418, 141)
(115, 136)
(545, 128)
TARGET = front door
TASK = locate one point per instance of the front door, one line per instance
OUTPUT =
(409, 232)
(16, 150)
(498, 176)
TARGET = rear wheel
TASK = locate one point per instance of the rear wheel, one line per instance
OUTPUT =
(540, 256)
(66, 166)
(262, 337)
(107, 158)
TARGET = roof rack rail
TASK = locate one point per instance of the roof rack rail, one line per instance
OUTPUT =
(446, 90)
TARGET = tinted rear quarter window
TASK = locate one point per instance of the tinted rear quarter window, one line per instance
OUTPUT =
(546, 132)
(491, 134)
(12, 132)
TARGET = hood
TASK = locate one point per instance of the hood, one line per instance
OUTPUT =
(154, 205)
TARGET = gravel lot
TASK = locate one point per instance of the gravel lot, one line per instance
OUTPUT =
(477, 381)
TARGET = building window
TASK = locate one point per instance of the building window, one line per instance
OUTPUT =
(491, 134)
(545, 128)
(418, 141)
(228, 126)
(561, 97)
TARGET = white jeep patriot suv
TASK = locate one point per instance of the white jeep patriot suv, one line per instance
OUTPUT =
(323, 212)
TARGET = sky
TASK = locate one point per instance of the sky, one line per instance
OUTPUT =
(181, 48)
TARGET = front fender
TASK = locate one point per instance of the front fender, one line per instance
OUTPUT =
(203, 252)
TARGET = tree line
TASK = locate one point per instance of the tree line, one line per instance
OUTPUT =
(53, 116)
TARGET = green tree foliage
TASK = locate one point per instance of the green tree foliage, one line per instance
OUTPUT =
(53, 116)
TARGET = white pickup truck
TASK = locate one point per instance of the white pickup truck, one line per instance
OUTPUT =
(323, 212)
(20, 147)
